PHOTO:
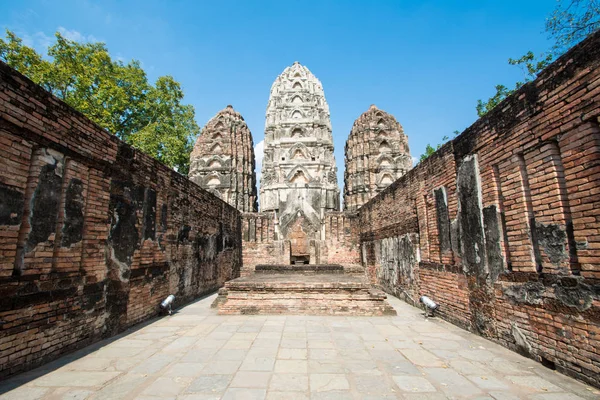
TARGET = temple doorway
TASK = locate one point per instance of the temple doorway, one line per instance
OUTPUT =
(299, 244)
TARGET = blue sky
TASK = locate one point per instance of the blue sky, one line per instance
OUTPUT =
(425, 62)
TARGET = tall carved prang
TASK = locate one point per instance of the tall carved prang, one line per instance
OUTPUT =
(299, 174)
(377, 154)
(222, 161)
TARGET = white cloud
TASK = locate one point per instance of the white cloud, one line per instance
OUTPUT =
(39, 41)
(259, 152)
(76, 36)
(415, 160)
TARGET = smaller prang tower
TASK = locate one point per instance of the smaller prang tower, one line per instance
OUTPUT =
(377, 154)
(222, 161)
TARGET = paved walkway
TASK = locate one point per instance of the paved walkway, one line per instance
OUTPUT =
(196, 354)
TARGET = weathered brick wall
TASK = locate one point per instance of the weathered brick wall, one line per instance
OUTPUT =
(341, 245)
(259, 242)
(450, 288)
(501, 226)
(93, 234)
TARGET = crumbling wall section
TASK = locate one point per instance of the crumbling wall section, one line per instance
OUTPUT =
(93, 233)
(341, 245)
(507, 220)
(260, 243)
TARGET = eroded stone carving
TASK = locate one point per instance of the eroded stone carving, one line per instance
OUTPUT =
(222, 161)
(298, 138)
(377, 154)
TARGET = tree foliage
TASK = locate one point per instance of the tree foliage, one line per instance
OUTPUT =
(530, 65)
(115, 95)
(502, 92)
(429, 149)
(571, 22)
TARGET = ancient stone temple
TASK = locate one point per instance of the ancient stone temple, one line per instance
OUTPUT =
(299, 174)
(377, 154)
(223, 160)
(500, 228)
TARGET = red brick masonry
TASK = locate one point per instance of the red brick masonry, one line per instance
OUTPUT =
(93, 234)
(501, 226)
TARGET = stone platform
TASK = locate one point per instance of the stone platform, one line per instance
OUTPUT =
(308, 269)
(302, 289)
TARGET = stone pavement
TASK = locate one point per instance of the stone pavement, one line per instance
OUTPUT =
(196, 354)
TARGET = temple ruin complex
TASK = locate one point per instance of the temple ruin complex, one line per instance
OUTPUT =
(500, 227)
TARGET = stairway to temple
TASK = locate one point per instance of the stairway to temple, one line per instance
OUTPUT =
(303, 289)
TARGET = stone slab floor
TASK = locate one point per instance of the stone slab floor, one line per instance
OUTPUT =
(196, 354)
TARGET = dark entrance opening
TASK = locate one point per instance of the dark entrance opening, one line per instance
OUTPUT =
(300, 259)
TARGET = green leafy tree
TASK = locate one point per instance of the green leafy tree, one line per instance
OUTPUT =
(531, 66)
(571, 22)
(166, 134)
(429, 149)
(115, 95)
(502, 92)
(24, 59)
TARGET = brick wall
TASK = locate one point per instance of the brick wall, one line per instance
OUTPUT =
(501, 226)
(93, 234)
(260, 245)
(341, 244)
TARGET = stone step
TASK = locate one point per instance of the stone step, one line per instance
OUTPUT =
(295, 281)
(327, 294)
(284, 286)
(308, 269)
(299, 269)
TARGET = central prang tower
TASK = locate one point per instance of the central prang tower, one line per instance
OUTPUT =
(299, 174)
